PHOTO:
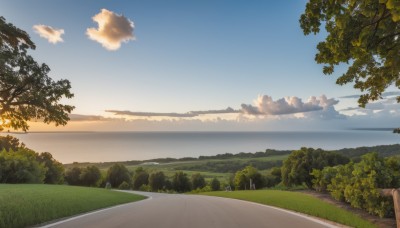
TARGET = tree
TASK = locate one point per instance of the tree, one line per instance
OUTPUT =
(72, 176)
(117, 174)
(26, 90)
(242, 178)
(8, 142)
(297, 168)
(141, 178)
(198, 181)
(215, 184)
(55, 170)
(90, 176)
(20, 167)
(157, 181)
(181, 182)
(363, 34)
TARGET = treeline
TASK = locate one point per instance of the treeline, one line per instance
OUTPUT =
(266, 153)
(230, 166)
(352, 153)
(383, 151)
(118, 176)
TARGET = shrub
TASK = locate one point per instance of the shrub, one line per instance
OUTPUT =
(124, 186)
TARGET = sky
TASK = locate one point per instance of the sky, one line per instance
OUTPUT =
(190, 65)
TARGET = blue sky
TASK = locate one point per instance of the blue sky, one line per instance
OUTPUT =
(190, 56)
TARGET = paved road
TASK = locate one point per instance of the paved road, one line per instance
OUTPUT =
(190, 211)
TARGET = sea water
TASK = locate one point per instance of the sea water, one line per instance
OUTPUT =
(68, 147)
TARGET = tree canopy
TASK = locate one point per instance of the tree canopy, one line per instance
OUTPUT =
(26, 90)
(363, 34)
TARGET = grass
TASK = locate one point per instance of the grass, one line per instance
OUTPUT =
(23, 205)
(299, 202)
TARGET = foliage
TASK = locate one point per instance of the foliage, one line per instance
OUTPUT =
(242, 178)
(157, 181)
(231, 166)
(26, 91)
(145, 188)
(8, 142)
(297, 168)
(274, 177)
(20, 167)
(54, 169)
(198, 181)
(383, 151)
(359, 183)
(181, 183)
(72, 176)
(124, 186)
(90, 176)
(26, 205)
(297, 201)
(362, 34)
(117, 174)
(141, 177)
(215, 184)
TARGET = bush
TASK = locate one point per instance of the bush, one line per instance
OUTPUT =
(145, 188)
(359, 183)
(124, 186)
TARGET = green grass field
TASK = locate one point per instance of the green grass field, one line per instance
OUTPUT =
(23, 205)
(299, 202)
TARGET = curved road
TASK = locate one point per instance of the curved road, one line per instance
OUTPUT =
(187, 211)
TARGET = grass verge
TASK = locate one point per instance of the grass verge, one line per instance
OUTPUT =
(23, 205)
(299, 202)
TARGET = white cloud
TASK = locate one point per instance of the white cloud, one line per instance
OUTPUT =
(52, 35)
(174, 114)
(265, 105)
(113, 29)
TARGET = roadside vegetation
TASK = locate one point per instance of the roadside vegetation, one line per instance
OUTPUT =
(25, 205)
(299, 202)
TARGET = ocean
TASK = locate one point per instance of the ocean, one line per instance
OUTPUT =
(68, 147)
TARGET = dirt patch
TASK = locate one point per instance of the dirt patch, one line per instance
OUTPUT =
(380, 222)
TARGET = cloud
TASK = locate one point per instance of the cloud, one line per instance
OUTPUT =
(79, 117)
(384, 95)
(173, 114)
(113, 29)
(265, 105)
(52, 35)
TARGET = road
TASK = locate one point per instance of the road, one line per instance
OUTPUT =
(190, 211)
